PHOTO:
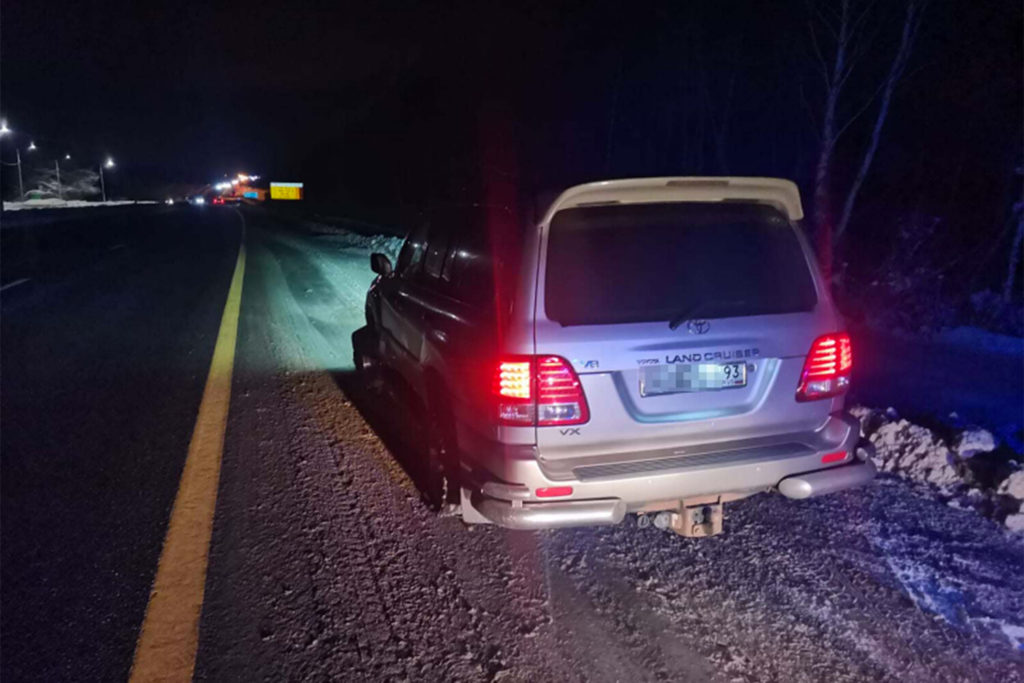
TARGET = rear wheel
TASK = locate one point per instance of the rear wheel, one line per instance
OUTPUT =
(365, 358)
(441, 464)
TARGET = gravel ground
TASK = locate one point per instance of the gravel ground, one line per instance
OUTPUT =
(326, 565)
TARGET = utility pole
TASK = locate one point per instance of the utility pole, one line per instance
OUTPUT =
(60, 189)
(21, 184)
(103, 186)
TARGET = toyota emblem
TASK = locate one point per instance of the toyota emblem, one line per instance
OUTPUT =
(698, 326)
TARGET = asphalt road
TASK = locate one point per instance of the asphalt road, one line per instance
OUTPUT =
(105, 352)
(325, 565)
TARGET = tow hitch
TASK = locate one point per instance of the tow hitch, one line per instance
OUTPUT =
(696, 518)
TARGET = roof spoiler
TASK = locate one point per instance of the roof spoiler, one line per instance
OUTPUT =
(782, 194)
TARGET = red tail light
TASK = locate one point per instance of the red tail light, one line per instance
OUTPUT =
(827, 368)
(539, 390)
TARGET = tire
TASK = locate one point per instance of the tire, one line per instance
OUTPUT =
(441, 461)
(364, 356)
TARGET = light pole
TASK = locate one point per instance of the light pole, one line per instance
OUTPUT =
(4, 130)
(103, 187)
(21, 185)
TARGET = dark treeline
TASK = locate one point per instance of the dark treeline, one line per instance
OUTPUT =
(384, 108)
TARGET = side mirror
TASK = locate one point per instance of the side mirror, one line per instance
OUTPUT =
(380, 264)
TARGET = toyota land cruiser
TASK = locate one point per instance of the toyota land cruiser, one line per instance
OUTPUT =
(657, 346)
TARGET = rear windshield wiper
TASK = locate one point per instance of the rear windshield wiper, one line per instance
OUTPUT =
(695, 308)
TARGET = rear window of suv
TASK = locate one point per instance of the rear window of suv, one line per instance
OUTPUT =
(653, 262)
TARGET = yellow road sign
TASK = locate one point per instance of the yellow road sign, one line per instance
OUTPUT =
(286, 190)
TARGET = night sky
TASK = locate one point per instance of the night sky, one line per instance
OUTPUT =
(379, 106)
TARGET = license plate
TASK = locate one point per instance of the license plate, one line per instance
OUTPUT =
(673, 379)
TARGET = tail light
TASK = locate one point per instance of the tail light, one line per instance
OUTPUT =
(827, 368)
(539, 390)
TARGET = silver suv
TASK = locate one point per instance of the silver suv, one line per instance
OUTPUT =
(657, 346)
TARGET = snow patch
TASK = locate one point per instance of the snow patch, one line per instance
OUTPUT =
(1015, 522)
(386, 244)
(974, 441)
(961, 589)
(977, 338)
(66, 204)
(1013, 486)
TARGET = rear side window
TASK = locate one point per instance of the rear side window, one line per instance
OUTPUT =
(653, 262)
(411, 255)
(437, 250)
(471, 269)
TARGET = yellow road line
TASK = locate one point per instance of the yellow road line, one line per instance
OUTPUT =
(166, 649)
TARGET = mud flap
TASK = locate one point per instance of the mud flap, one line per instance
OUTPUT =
(470, 515)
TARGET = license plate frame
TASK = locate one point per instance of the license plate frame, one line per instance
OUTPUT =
(692, 378)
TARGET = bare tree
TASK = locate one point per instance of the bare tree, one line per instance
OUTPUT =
(839, 40)
(911, 25)
(844, 29)
(1015, 249)
(76, 184)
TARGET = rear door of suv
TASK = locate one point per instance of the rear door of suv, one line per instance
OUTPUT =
(688, 323)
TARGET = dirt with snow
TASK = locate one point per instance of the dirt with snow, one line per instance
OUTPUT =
(969, 469)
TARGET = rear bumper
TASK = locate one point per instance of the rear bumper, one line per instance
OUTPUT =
(832, 479)
(550, 515)
(606, 500)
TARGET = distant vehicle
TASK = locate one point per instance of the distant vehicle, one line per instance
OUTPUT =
(197, 200)
(169, 202)
(218, 200)
(656, 346)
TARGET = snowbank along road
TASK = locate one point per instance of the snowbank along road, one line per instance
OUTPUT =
(324, 564)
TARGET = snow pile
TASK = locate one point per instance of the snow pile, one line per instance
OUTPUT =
(910, 450)
(1013, 486)
(915, 452)
(962, 468)
(386, 244)
(973, 441)
(345, 236)
(65, 204)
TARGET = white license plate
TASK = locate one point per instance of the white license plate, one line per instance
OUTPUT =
(673, 379)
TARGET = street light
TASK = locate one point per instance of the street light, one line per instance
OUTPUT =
(67, 157)
(103, 186)
(4, 130)
(31, 146)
